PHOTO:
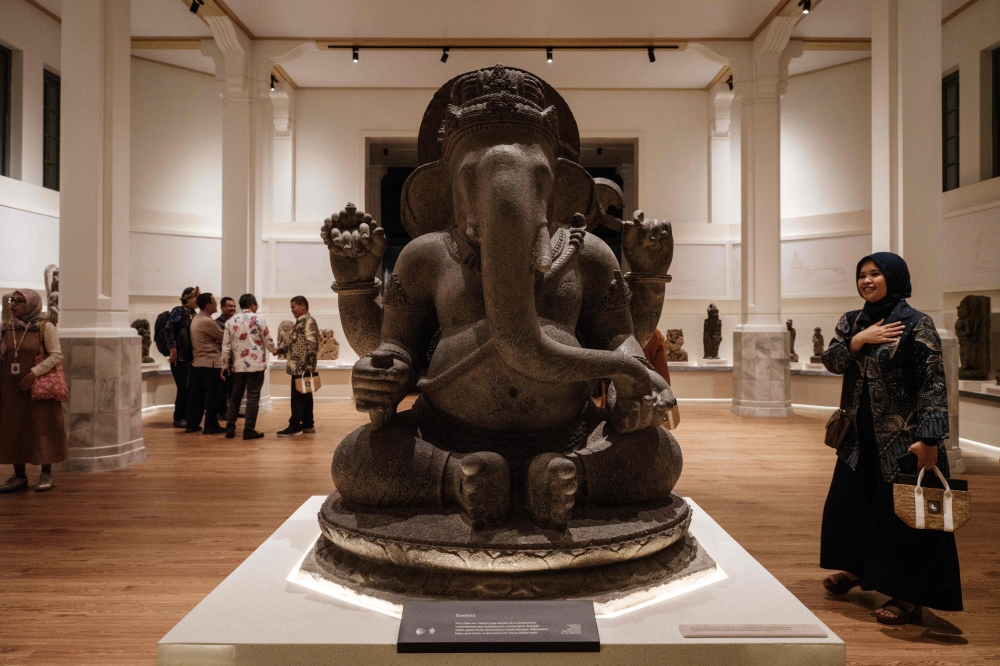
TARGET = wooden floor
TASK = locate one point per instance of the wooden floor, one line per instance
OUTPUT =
(99, 569)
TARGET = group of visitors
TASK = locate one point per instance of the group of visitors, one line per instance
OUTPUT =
(215, 361)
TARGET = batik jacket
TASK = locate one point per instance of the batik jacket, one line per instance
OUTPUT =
(906, 386)
(304, 345)
(246, 342)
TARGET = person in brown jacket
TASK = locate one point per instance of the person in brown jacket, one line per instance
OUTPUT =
(205, 379)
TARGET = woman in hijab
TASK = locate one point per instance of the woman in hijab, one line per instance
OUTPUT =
(895, 397)
(31, 431)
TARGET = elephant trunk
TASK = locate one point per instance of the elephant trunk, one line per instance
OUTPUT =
(514, 241)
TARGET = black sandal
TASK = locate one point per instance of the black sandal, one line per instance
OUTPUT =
(903, 616)
(840, 583)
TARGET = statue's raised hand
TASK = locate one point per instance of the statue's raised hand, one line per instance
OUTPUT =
(648, 245)
(630, 414)
(356, 243)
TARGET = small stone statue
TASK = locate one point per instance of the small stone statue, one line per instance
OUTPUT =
(5, 316)
(674, 341)
(285, 336)
(142, 327)
(712, 336)
(329, 348)
(973, 331)
(52, 293)
(817, 356)
(793, 357)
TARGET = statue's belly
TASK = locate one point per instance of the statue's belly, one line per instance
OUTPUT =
(489, 394)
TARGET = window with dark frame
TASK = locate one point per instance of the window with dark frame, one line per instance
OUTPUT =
(949, 127)
(996, 113)
(50, 131)
(6, 57)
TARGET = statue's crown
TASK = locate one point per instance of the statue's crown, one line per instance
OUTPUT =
(495, 96)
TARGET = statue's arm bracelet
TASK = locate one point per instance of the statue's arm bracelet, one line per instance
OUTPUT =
(367, 286)
(647, 277)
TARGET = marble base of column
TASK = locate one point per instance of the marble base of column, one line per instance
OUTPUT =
(949, 355)
(104, 412)
(762, 375)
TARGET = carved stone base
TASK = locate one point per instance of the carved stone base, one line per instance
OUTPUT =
(414, 538)
(612, 588)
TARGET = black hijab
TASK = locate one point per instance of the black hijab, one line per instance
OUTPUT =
(897, 283)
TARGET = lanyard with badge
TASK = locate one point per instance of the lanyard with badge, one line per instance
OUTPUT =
(15, 365)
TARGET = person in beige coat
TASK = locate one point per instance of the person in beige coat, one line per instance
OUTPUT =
(32, 432)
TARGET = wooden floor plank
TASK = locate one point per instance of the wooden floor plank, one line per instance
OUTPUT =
(99, 569)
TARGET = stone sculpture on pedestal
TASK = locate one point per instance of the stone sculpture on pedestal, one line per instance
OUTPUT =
(712, 336)
(142, 328)
(503, 480)
(674, 342)
(329, 348)
(284, 337)
(818, 345)
(973, 331)
(52, 293)
(793, 357)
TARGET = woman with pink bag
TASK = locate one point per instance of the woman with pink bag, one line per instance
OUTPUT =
(32, 386)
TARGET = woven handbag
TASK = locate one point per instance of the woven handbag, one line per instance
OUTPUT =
(51, 385)
(941, 509)
(308, 383)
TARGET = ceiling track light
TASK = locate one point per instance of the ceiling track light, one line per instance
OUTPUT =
(444, 54)
(274, 82)
(196, 5)
(652, 54)
(806, 6)
(548, 54)
(729, 82)
(354, 54)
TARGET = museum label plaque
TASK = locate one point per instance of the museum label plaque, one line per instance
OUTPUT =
(498, 626)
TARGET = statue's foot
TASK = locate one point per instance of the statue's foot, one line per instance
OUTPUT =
(550, 490)
(481, 483)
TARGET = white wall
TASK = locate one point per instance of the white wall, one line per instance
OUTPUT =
(176, 180)
(966, 44)
(826, 155)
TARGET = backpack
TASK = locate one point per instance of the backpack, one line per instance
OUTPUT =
(159, 333)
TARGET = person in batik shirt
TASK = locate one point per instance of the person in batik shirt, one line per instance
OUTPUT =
(245, 344)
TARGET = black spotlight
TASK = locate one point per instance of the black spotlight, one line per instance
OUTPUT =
(444, 54)
(273, 82)
(196, 5)
(652, 54)
(548, 54)
(806, 5)
(729, 82)
(354, 53)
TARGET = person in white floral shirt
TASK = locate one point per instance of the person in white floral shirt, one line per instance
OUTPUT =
(245, 344)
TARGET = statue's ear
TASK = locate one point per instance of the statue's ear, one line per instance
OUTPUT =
(426, 203)
(574, 193)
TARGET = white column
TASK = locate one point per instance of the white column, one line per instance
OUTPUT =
(242, 152)
(761, 367)
(283, 153)
(373, 190)
(103, 359)
(720, 102)
(906, 162)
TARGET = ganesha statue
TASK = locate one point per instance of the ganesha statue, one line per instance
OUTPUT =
(502, 313)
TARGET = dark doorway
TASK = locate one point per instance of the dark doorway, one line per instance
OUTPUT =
(610, 236)
(392, 222)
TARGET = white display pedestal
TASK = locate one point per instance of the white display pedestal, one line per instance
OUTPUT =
(814, 367)
(256, 617)
(709, 362)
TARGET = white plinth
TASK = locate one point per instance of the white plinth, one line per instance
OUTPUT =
(813, 366)
(713, 361)
(256, 617)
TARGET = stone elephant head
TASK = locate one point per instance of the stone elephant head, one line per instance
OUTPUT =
(505, 175)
